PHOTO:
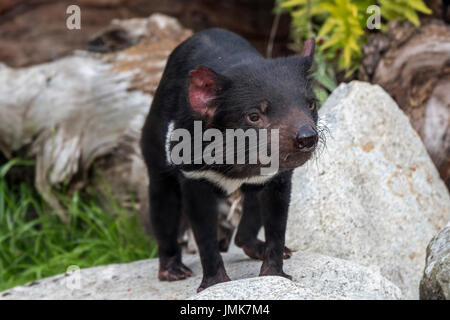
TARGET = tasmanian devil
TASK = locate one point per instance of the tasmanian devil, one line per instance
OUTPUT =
(217, 80)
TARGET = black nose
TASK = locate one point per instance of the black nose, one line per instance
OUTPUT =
(307, 138)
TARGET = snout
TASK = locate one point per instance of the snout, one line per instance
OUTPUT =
(307, 138)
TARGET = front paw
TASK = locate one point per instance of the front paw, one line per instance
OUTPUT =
(210, 281)
(267, 270)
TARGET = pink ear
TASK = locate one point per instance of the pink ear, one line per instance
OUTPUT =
(308, 48)
(203, 88)
(308, 52)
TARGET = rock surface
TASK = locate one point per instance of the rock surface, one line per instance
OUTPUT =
(374, 196)
(396, 60)
(435, 283)
(315, 277)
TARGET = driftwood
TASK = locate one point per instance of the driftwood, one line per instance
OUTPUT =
(88, 109)
(413, 66)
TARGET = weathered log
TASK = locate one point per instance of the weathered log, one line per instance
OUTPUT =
(413, 66)
(89, 109)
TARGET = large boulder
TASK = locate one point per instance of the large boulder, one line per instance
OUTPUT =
(412, 64)
(435, 283)
(373, 196)
(315, 277)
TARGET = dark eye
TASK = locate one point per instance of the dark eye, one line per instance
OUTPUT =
(253, 117)
(312, 105)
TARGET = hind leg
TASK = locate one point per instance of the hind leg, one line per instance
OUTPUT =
(249, 226)
(165, 213)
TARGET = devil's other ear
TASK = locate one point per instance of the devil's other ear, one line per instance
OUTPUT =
(204, 86)
(309, 47)
(308, 51)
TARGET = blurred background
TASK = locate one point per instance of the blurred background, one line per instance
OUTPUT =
(72, 188)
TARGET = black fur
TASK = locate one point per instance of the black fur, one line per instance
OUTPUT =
(244, 80)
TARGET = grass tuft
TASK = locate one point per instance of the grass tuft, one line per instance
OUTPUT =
(35, 243)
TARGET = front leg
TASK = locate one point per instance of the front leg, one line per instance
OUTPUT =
(275, 198)
(200, 206)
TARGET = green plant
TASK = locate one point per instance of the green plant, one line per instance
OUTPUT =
(403, 9)
(325, 81)
(34, 243)
(340, 25)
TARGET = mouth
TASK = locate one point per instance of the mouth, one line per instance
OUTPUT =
(308, 149)
(296, 159)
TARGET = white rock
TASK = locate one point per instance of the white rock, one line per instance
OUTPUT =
(373, 196)
(262, 288)
(315, 277)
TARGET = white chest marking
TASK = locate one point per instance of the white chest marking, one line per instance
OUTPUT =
(168, 134)
(229, 185)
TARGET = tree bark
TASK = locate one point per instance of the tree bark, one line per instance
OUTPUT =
(34, 31)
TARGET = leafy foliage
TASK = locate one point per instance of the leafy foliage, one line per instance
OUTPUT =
(403, 9)
(34, 243)
(325, 79)
(339, 25)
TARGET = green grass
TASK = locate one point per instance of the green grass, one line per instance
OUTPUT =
(35, 243)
